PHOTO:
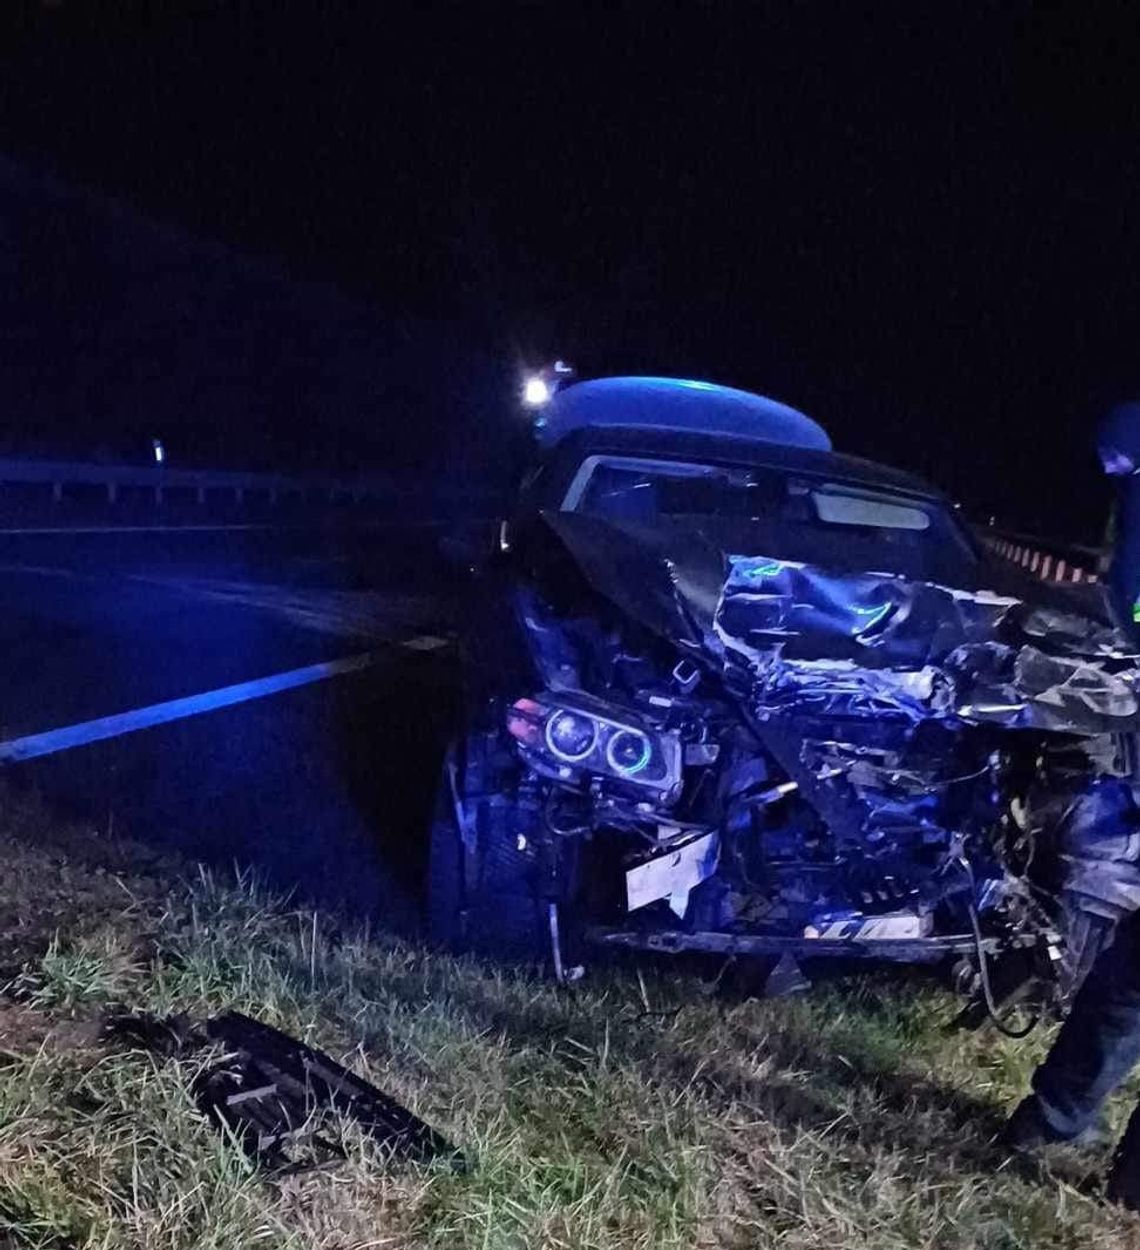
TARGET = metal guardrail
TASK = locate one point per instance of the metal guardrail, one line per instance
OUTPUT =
(1047, 561)
(59, 495)
(60, 474)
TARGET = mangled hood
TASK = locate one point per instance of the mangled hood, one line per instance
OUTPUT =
(875, 642)
(796, 638)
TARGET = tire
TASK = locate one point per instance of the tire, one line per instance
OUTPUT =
(489, 901)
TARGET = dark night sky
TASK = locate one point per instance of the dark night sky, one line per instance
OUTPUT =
(917, 222)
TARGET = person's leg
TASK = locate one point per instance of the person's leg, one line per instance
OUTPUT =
(1099, 1044)
(1124, 1176)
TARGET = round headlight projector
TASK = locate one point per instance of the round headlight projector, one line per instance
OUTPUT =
(628, 752)
(571, 736)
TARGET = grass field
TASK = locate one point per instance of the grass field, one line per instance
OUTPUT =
(635, 1110)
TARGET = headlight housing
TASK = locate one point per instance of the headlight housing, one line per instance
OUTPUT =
(571, 737)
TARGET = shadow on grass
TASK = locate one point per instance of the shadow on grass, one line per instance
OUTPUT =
(786, 1063)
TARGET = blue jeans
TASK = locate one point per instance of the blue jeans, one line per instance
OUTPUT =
(1099, 1044)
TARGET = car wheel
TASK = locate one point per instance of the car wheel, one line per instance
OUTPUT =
(445, 872)
(486, 899)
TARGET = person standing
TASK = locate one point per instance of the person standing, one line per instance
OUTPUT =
(1099, 1044)
(1118, 443)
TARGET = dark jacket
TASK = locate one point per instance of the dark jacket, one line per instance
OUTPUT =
(1118, 442)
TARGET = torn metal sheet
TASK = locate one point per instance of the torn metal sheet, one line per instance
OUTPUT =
(1068, 634)
(873, 620)
(673, 875)
(876, 644)
(1026, 688)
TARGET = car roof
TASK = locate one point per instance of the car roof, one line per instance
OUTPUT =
(679, 405)
(564, 459)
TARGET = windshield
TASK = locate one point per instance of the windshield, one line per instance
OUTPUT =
(786, 515)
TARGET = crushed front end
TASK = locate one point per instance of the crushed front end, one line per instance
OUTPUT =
(814, 763)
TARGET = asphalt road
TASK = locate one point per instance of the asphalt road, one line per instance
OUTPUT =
(326, 786)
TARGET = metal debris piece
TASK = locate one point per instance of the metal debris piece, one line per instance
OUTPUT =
(270, 1092)
(267, 1094)
(786, 978)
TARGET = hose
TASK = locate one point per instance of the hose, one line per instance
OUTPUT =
(987, 988)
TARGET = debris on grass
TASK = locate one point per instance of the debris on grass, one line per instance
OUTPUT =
(275, 1096)
(843, 1117)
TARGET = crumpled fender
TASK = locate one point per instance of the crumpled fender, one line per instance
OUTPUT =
(804, 638)
(668, 580)
(876, 642)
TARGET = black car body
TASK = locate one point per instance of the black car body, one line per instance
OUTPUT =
(730, 695)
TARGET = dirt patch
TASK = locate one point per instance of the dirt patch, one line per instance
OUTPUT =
(23, 1030)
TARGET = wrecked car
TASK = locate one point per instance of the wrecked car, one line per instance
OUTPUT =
(728, 691)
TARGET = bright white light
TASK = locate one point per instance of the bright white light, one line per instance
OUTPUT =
(159, 451)
(536, 392)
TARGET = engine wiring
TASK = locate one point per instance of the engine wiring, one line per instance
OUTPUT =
(563, 831)
(987, 989)
(992, 1009)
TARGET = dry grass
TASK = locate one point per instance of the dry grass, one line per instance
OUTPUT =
(847, 1118)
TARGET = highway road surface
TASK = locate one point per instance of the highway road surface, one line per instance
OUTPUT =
(248, 696)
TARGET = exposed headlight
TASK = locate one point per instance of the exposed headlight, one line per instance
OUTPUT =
(571, 736)
(629, 752)
(571, 739)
